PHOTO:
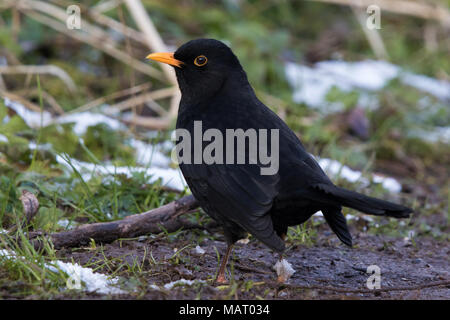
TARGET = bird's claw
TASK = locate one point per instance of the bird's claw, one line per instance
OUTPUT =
(220, 280)
(281, 279)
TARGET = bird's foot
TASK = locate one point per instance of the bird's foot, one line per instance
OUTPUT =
(220, 280)
(282, 279)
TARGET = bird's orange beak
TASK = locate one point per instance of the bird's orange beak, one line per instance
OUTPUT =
(165, 57)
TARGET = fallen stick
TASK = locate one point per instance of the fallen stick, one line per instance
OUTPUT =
(153, 221)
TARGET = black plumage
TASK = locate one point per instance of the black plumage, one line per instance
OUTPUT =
(219, 95)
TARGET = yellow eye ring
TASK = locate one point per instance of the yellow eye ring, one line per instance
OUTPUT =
(200, 61)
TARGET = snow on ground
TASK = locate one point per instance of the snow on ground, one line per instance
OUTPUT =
(311, 84)
(181, 282)
(171, 178)
(93, 281)
(83, 120)
(153, 161)
(441, 134)
(79, 277)
(147, 154)
(3, 138)
(334, 168)
(31, 118)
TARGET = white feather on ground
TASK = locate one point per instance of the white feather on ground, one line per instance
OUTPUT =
(284, 270)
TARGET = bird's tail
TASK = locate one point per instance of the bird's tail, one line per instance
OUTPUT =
(360, 202)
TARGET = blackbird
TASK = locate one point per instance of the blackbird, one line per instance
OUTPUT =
(215, 91)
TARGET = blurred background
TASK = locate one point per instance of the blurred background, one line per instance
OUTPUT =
(85, 120)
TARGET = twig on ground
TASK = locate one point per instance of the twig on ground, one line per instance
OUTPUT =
(142, 98)
(45, 95)
(115, 95)
(21, 100)
(152, 123)
(153, 221)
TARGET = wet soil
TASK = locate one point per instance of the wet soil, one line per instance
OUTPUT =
(325, 264)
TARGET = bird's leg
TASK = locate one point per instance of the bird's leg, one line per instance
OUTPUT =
(223, 265)
(281, 277)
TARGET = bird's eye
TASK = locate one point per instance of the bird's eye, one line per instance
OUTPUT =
(200, 61)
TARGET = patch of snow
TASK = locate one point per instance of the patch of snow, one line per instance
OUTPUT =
(94, 281)
(369, 75)
(171, 178)
(334, 168)
(83, 120)
(147, 154)
(388, 183)
(154, 287)
(441, 134)
(31, 118)
(7, 253)
(438, 88)
(43, 146)
(65, 223)
(311, 84)
(181, 282)
(284, 269)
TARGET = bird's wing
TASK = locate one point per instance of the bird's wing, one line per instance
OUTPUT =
(238, 193)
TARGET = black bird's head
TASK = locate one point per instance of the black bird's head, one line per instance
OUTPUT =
(203, 66)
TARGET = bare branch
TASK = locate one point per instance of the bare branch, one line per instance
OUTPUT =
(96, 43)
(153, 221)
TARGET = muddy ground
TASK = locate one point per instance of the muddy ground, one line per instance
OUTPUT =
(326, 263)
